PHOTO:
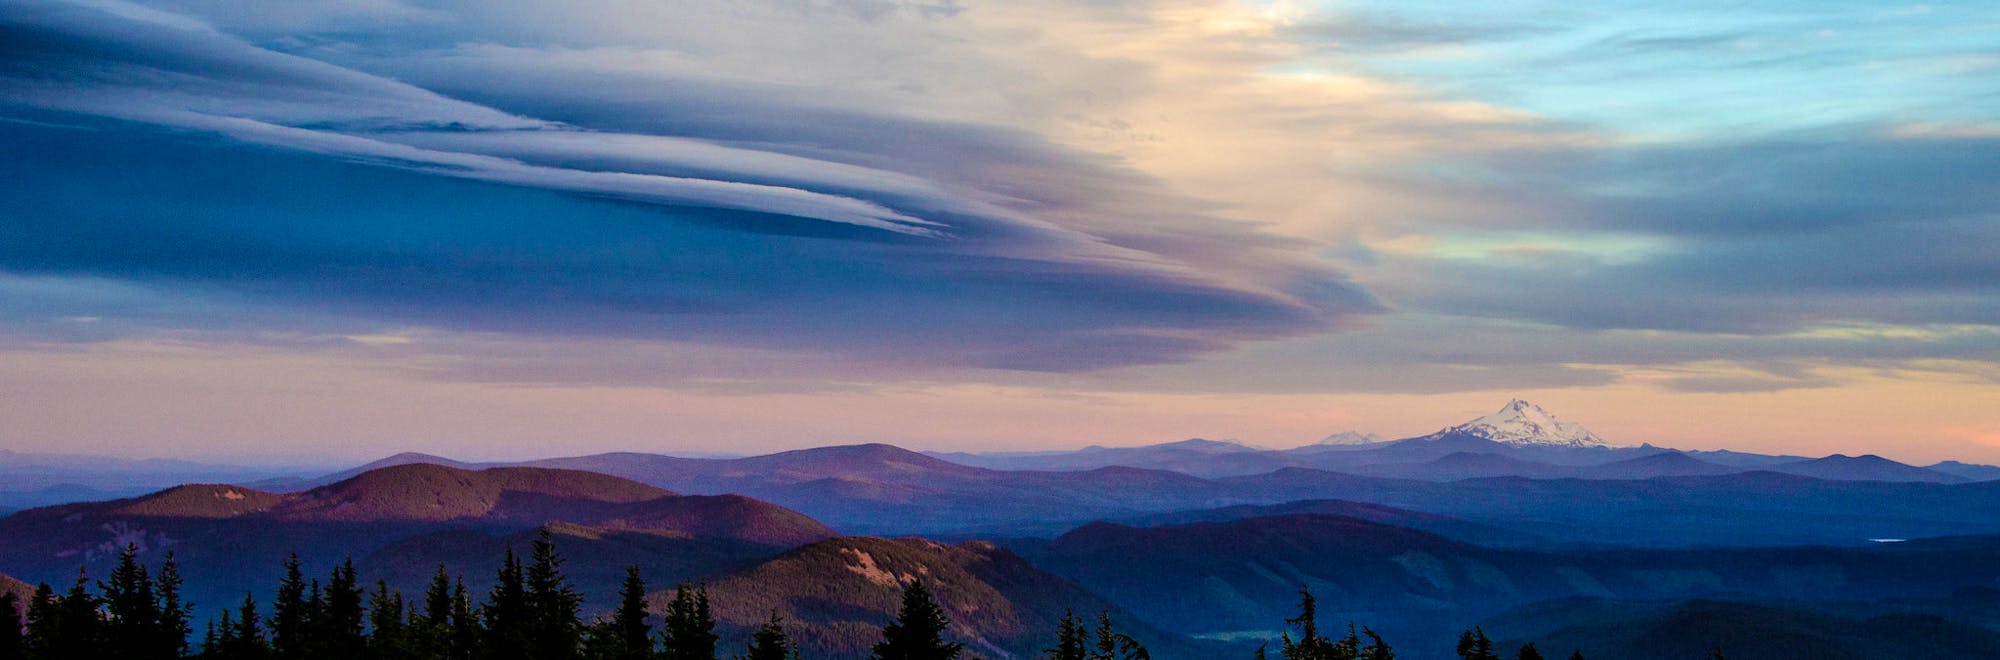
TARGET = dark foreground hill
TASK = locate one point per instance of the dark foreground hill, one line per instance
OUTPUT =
(229, 538)
(1697, 628)
(837, 594)
(1237, 577)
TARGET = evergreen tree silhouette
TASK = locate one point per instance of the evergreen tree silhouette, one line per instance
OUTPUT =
(339, 633)
(554, 606)
(506, 615)
(465, 632)
(80, 624)
(171, 627)
(1313, 646)
(221, 641)
(290, 625)
(247, 636)
(1473, 645)
(39, 639)
(769, 642)
(1576, 655)
(1528, 652)
(11, 647)
(1376, 648)
(1113, 645)
(430, 629)
(131, 614)
(388, 636)
(1072, 641)
(688, 629)
(626, 635)
(918, 631)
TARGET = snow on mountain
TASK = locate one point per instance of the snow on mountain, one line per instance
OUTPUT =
(1352, 438)
(1523, 423)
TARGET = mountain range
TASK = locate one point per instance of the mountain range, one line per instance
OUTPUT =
(1539, 444)
(400, 521)
(1520, 521)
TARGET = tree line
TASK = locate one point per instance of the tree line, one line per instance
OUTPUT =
(531, 613)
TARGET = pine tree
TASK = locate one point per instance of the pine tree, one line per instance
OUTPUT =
(688, 631)
(291, 627)
(339, 629)
(221, 642)
(431, 628)
(1473, 645)
(170, 632)
(131, 613)
(1376, 648)
(247, 637)
(1113, 645)
(465, 632)
(1071, 642)
(769, 642)
(210, 643)
(918, 631)
(1528, 652)
(626, 635)
(555, 607)
(80, 631)
(506, 614)
(1310, 644)
(43, 620)
(10, 627)
(388, 637)
(1577, 655)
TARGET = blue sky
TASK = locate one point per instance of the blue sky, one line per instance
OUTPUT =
(961, 225)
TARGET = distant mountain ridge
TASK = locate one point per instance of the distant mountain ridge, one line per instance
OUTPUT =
(229, 538)
(1867, 467)
(883, 489)
(1520, 439)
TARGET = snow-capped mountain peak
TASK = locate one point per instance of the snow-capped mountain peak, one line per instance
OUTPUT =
(1352, 438)
(1523, 423)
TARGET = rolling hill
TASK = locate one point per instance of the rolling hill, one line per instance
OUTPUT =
(836, 595)
(229, 538)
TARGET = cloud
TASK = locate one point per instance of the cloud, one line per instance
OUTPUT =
(183, 159)
(1763, 237)
(1042, 187)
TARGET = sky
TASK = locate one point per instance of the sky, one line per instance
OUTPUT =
(339, 229)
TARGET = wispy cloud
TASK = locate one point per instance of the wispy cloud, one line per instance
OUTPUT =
(1185, 196)
(1006, 222)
